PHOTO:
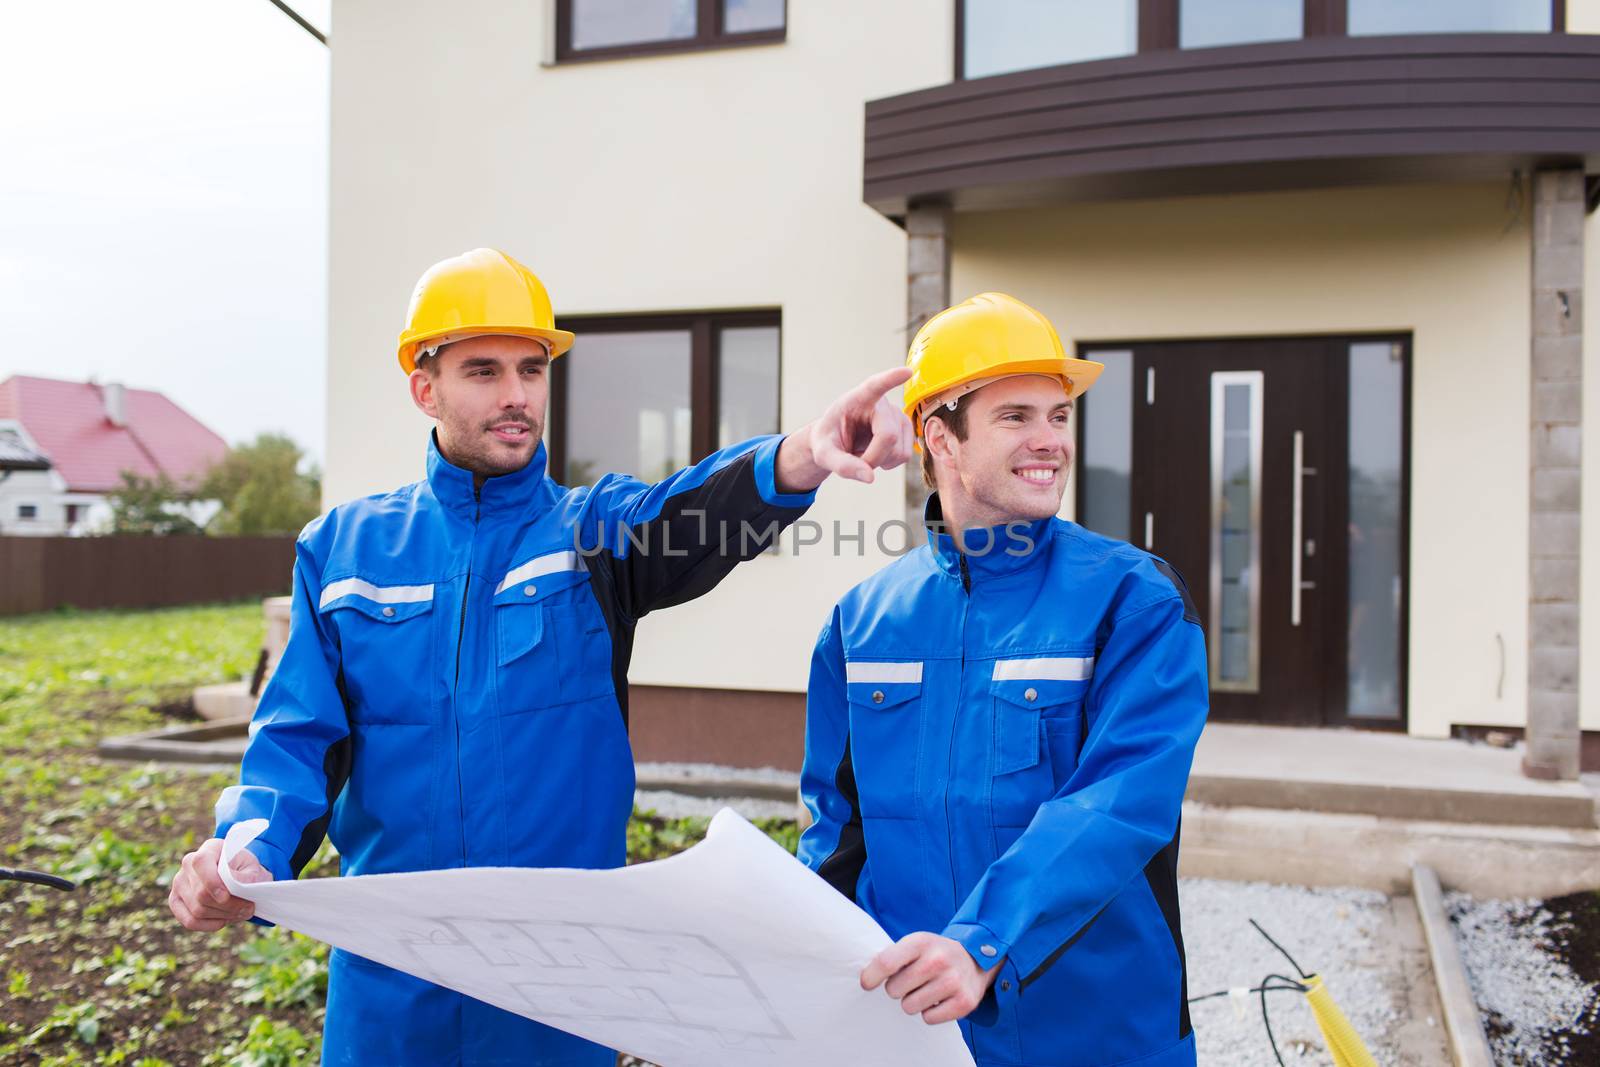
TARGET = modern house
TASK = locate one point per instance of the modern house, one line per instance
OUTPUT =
(64, 445)
(1334, 253)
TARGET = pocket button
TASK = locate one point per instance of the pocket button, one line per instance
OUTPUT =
(1031, 695)
(388, 613)
(529, 590)
(877, 696)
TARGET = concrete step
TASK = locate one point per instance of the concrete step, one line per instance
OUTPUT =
(1374, 852)
(1362, 772)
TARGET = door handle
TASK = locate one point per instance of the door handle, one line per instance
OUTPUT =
(1297, 552)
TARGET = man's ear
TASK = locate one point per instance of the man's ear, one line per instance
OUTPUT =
(422, 393)
(938, 440)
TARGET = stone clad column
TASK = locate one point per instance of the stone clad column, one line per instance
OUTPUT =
(1553, 738)
(927, 294)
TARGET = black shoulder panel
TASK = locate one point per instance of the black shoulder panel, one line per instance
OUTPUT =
(1189, 614)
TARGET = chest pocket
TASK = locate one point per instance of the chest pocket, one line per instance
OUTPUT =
(383, 632)
(1038, 728)
(551, 645)
(885, 724)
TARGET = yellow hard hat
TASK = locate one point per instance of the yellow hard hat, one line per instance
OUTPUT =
(480, 292)
(988, 336)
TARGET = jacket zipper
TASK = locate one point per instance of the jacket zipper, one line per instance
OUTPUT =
(455, 686)
(950, 755)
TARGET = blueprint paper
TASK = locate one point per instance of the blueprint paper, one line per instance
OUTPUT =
(732, 953)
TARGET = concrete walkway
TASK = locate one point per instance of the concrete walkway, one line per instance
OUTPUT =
(1370, 773)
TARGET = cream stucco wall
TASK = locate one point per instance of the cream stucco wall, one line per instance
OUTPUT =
(1447, 264)
(1583, 16)
(724, 179)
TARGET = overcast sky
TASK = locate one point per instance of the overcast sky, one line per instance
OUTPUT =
(163, 204)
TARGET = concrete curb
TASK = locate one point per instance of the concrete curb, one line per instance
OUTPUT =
(221, 741)
(1468, 1046)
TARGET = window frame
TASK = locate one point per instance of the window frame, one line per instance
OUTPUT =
(27, 512)
(710, 35)
(705, 363)
(1158, 25)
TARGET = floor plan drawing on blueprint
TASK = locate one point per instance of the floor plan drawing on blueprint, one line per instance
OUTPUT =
(727, 955)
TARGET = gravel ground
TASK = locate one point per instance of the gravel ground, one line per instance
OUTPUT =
(1349, 936)
(678, 806)
(763, 775)
(1529, 997)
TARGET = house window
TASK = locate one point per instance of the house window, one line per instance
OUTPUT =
(999, 36)
(1002, 36)
(1105, 426)
(1450, 16)
(599, 29)
(649, 394)
(74, 513)
(27, 511)
(1208, 23)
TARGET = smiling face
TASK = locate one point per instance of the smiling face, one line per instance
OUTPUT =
(488, 395)
(1011, 465)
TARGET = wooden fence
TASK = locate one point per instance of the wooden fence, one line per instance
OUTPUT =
(45, 573)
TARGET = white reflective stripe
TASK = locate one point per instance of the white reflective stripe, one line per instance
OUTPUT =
(555, 561)
(1054, 669)
(382, 594)
(883, 672)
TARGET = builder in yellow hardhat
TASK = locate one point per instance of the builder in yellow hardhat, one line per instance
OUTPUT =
(454, 690)
(999, 727)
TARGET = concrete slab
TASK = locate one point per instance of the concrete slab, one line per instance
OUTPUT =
(1373, 852)
(225, 700)
(1372, 773)
(216, 743)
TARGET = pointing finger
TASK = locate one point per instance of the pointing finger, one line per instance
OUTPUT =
(880, 383)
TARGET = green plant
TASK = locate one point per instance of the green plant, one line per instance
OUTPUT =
(81, 1020)
(107, 856)
(266, 1044)
(282, 970)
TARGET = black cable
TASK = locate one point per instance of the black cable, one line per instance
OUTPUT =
(1272, 983)
(1267, 1022)
(303, 24)
(12, 874)
(1280, 948)
(1296, 987)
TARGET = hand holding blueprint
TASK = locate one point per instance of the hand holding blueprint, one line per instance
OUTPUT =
(732, 953)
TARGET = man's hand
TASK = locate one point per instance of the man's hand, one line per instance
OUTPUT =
(861, 431)
(199, 898)
(930, 975)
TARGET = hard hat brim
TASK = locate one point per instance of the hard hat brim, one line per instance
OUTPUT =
(1081, 373)
(559, 340)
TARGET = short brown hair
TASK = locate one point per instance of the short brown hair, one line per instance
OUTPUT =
(956, 422)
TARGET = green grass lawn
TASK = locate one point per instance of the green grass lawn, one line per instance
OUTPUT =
(104, 974)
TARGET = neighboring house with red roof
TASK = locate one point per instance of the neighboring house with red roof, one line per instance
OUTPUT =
(64, 446)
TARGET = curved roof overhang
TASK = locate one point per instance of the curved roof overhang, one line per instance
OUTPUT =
(1323, 111)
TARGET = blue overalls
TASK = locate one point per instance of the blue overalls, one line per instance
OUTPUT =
(997, 747)
(454, 693)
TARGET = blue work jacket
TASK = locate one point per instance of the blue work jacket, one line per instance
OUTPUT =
(454, 694)
(997, 746)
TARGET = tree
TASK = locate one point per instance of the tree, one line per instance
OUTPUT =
(150, 506)
(262, 489)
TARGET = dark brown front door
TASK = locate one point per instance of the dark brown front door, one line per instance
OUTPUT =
(1216, 441)
(1241, 473)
